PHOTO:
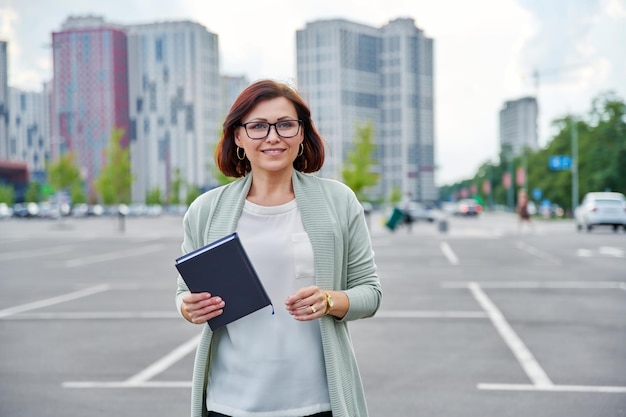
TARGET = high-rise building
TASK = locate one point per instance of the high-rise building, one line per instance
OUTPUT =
(518, 125)
(232, 86)
(90, 92)
(175, 106)
(4, 101)
(28, 131)
(350, 74)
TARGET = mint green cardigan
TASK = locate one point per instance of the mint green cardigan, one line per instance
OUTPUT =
(343, 259)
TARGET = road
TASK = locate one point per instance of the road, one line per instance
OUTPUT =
(481, 320)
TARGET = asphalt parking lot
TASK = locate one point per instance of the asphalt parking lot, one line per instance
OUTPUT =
(482, 320)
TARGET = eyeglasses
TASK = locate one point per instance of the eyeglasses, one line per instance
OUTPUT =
(261, 130)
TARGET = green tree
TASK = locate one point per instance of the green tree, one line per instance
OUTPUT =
(63, 173)
(357, 172)
(77, 193)
(192, 193)
(32, 192)
(395, 196)
(220, 177)
(217, 174)
(7, 195)
(176, 186)
(602, 149)
(601, 156)
(154, 196)
(115, 179)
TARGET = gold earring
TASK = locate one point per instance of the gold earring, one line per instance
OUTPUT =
(241, 158)
(301, 149)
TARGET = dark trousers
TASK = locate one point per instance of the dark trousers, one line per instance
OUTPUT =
(324, 414)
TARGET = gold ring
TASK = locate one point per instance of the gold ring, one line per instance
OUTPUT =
(313, 309)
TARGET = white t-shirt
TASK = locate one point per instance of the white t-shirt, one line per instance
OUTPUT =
(271, 365)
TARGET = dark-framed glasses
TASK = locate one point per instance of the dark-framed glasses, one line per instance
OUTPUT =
(284, 128)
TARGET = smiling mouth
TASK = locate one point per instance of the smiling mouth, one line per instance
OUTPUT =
(273, 151)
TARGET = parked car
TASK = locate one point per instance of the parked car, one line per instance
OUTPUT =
(49, 211)
(26, 210)
(449, 207)
(5, 211)
(468, 207)
(601, 209)
(420, 213)
(80, 210)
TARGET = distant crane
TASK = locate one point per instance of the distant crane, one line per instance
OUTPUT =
(536, 74)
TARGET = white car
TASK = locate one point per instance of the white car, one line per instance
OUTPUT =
(601, 209)
(420, 213)
(5, 211)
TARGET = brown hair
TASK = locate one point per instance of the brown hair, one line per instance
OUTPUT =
(312, 157)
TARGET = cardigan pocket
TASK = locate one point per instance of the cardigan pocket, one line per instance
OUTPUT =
(303, 255)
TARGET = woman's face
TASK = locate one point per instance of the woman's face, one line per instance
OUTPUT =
(273, 153)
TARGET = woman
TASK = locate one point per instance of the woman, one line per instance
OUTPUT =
(310, 245)
(522, 209)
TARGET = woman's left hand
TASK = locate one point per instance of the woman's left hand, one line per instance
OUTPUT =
(308, 303)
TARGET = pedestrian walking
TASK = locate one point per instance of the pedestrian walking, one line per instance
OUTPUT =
(522, 210)
(406, 210)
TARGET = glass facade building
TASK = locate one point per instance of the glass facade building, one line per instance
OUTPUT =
(175, 108)
(518, 125)
(29, 131)
(232, 86)
(352, 74)
(4, 101)
(89, 93)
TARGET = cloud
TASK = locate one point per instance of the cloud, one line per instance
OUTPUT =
(614, 8)
(575, 54)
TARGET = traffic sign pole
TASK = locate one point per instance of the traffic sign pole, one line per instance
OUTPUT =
(574, 166)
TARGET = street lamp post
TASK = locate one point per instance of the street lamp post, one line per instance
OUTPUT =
(574, 134)
(56, 150)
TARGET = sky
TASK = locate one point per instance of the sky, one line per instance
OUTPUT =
(486, 52)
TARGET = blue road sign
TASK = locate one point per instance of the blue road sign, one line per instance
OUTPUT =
(560, 162)
(537, 193)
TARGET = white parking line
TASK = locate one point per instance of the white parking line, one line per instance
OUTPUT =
(533, 370)
(161, 315)
(425, 314)
(569, 285)
(541, 381)
(124, 384)
(54, 300)
(611, 251)
(449, 253)
(538, 253)
(105, 257)
(33, 253)
(142, 378)
(554, 388)
(98, 315)
(165, 362)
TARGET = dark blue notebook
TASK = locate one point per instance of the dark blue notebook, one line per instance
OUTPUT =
(223, 269)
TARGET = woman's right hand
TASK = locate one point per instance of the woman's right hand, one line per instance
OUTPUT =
(200, 307)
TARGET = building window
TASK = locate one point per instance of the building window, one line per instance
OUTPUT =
(158, 50)
(189, 122)
(367, 53)
(153, 97)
